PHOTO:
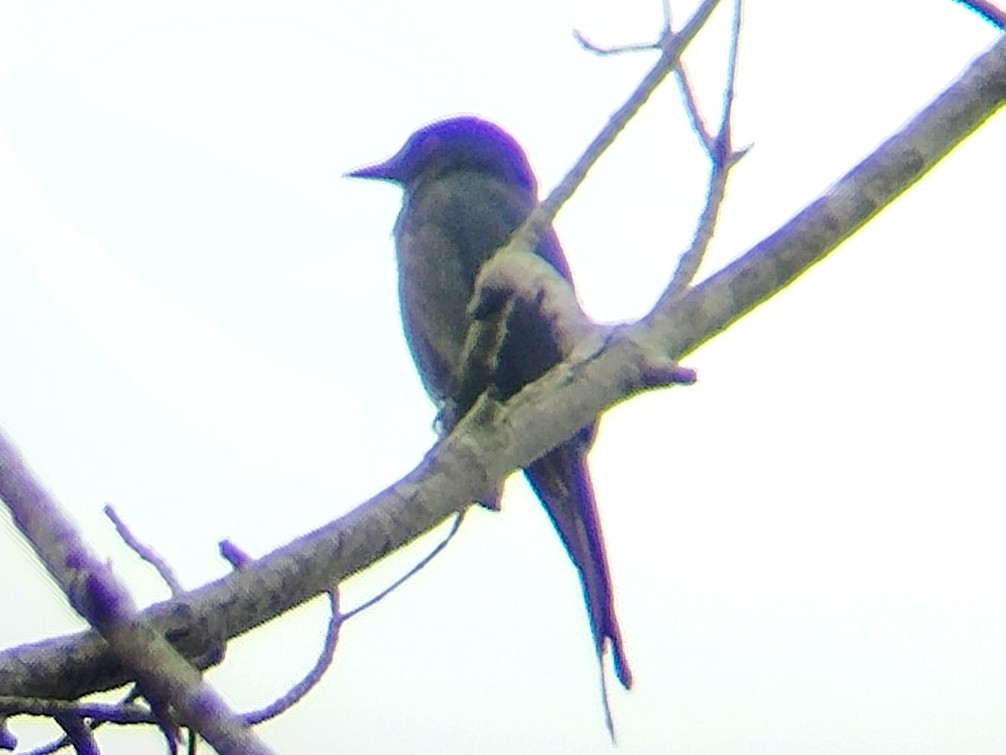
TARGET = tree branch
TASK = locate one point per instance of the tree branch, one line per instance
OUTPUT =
(167, 680)
(494, 440)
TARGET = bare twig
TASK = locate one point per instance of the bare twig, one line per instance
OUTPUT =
(336, 620)
(680, 71)
(233, 555)
(78, 733)
(511, 270)
(113, 713)
(597, 49)
(692, 108)
(308, 682)
(145, 552)
(411, 572)
(95, 593)
(546, 210)
(96, 714)
(723, 158)
(987, 10)
(477, 364)
(717, 147)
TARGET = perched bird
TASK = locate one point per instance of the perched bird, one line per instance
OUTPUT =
(468, 186)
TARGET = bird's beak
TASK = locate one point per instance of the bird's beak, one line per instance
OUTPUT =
(387, 171)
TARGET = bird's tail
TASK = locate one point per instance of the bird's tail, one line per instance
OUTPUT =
(562, 481)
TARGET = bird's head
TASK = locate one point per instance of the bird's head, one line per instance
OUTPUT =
(459, 143)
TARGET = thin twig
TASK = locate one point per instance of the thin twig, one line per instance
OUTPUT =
(145, 552)
(723, 158)
(692, 108)
(597, 49)
(336, 620)
(98, 596)
(312, 677)
(98, 714)
(543, 214)
(680, 72)
(717, 147)
(482, 334)
(989, 11)
(411, 572)
(114, 713)
(78, 733)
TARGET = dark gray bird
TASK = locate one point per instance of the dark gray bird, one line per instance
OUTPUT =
(468, 186)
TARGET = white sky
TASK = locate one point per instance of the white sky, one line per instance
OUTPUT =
(199, 325)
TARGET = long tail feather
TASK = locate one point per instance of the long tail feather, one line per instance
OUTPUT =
(562, 481)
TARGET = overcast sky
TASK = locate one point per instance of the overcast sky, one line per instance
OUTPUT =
(199, 324)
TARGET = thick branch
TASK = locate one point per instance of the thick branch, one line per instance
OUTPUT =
(165, 678)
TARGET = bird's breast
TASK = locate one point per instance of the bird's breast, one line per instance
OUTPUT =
(447, 229)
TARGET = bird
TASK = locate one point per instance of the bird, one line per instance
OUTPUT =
(467, 186)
